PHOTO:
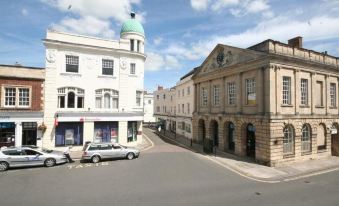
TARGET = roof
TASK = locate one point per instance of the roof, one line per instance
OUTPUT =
(132, 25)
(190, 73)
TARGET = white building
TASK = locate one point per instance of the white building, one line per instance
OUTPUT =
(148, 108)
(94, 88)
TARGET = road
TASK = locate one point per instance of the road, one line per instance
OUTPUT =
(163, 175)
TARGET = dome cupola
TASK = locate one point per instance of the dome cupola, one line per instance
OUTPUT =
(132, 26)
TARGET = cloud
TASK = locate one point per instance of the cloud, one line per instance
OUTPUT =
(237, 8)
(200, 5)
(87, 25)
(103, 9)
(156, 62)
(24, 12)
(279, 28)
(157, 41)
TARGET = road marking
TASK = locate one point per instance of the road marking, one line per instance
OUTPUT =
(310, 175)
(152, 143)
(80, 166)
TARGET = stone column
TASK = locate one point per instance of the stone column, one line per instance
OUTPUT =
(326, 94)
(195, 98)
(296, 91)
(198, 105)
(278, 90)
(260, 91)
(223, 95)
(18, 134)
(239, 92)
(312, 92)
(209, 102)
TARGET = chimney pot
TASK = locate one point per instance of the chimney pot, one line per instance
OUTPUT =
(296, 42)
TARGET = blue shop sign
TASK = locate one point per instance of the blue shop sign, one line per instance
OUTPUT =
(7, 125)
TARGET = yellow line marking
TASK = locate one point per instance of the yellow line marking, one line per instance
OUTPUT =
(152, 143)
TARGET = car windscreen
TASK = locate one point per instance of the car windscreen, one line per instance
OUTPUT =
(47, 150)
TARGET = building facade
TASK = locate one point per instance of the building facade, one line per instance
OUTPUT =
(94, 88)
(276, 103)
(148, 108)
(21, 105)
(165, 108)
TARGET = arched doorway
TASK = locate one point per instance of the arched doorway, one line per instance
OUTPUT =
(201, 131)
(321, 137)
(214, 131)
(250, 141)
(229, 137)
(335, 139)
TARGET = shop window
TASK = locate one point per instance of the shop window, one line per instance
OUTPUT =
(132, 132)
(7, 134)
(105, 131)
(69, 133)
(288, 140)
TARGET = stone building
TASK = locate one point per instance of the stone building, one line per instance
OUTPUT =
(21, 105)
(148, 108)
(164, 108)
(94, 88)
(274, 102)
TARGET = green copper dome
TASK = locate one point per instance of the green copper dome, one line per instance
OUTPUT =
(132, 25)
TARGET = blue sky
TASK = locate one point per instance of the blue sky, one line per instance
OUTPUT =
(180, 33)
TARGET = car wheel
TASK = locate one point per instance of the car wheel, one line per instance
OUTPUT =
(50, 162)
(130, 156)
(95, 159)
(3, 166)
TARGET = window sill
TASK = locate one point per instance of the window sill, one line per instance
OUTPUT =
(304, 106)
(133, 75)
(333, 107)
(231, 105)
(286, 105)
(24, 108)
(319, 107)
(286, 156)
(306, 153)
(322, 150)
(107, 76)
(250, 105)
(70, 74)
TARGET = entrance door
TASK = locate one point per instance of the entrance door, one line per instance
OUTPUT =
(29, 133)
(250, 141)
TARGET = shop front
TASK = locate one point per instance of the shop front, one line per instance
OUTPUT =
(106, 131)
(7, 134)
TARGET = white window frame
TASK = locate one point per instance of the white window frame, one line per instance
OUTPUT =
(286, 91)
(16, 97)
(100, 93)
(204, 98)
(288, 140)
(133, 68)
(250, 90)
(216, 95)
(333, 94)
(231, 90)
(304, 92)
(71, 59)
(107, 64)
(78, 92)
(306, 143)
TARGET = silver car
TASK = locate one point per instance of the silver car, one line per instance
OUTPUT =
(95, 152)
(26, 156)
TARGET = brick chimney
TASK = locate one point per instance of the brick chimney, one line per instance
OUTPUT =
(296, 42)
(160, 88)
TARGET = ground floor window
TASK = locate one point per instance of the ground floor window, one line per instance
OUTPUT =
(7, 134)
(106, 131)
(69, 133)
(132, 132)
(288, 140)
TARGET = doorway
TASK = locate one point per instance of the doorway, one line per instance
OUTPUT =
(29, 133)
(250, 141)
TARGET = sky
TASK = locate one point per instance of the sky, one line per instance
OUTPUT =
(179, 33)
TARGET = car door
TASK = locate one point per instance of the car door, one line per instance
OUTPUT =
(33, 157)
(118, 151)
(106, 151)
(15, 157)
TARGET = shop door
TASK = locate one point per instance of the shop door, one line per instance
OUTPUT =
(250, 143)
(29, 133)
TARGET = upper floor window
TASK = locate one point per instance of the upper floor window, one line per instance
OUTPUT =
(319, 93)
(132, 68)
(107, 67)
(178, 108)
(164, 96)
(231, 93)
(71, 97)
(138, 46)
(106, 98)
(250, 91)
(138, 98)
(178, 93)
(304, 91)
(17, 97)
(188, 90)
(183, 92)
(158, 109)
(132, 44)
(203, 97)
(286, 90)
(333, 96)
(72, 64)
(216, 99)
(183, 108)
(157, 96)
(188, 108)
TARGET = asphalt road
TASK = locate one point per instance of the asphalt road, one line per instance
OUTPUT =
(163, 175)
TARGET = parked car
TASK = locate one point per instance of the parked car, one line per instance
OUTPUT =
(27, 156)
(95, 152)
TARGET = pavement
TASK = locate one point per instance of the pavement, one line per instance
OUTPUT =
(252, 170)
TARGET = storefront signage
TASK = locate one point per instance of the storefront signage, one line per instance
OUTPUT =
(89, 119)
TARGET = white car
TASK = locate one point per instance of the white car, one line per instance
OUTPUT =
(27, 156)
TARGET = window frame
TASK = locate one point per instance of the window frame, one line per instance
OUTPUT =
(16, 96)
(287, 90)
(216, 95)
(333, 94)
(231, 93)
(113, 95)
(72, 60)
(107, 64)
(306, 139)
(288, 140)
(64, 92)
(204, 97)
(250, 86)
(132, 70)
(304, 92)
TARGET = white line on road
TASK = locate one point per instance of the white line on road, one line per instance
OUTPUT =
(152, 144)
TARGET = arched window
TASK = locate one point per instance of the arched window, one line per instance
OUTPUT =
(71, 97)
(321, 137)
(106, 98)
(306, 138)
(107, 101)
(288, 140)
